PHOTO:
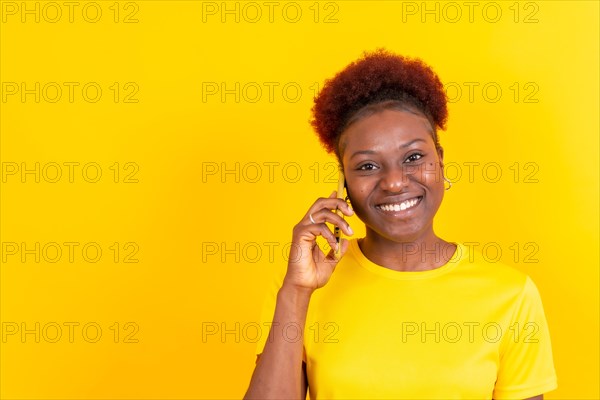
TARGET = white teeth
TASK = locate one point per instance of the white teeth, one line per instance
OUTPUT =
(399, 207)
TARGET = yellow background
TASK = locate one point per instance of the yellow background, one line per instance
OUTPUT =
(202, 239)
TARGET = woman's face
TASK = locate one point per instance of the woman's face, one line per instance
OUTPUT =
(393, 174)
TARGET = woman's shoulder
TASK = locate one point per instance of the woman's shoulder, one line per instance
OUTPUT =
(489, 263)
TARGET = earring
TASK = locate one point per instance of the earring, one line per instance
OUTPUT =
(449, 184)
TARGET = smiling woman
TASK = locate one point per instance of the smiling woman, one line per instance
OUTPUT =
(403, 313)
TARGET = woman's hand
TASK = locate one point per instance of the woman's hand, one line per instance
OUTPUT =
(308, 267)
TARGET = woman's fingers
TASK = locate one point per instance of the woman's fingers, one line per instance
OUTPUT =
(322, 230)
(326, 215)
(331, 203)
(323, 210)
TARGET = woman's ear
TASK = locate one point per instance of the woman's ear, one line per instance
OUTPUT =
(440, 151)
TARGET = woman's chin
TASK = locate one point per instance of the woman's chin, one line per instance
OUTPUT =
(405, 235)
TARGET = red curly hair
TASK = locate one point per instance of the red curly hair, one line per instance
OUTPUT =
(377, 81)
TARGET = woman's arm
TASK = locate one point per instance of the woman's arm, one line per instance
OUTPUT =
(279, 373)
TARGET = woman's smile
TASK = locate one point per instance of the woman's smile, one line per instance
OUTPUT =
(399, 207)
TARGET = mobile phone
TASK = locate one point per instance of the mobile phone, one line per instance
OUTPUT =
(337, 231)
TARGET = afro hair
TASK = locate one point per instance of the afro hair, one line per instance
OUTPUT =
(377, 78)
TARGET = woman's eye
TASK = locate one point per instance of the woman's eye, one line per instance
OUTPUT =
(367, 167)
(414, 157)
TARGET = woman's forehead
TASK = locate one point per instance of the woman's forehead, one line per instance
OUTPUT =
(387, 128)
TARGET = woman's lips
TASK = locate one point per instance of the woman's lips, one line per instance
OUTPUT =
(399, 206)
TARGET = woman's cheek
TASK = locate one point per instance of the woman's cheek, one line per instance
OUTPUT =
(433, 175)
(357, 198)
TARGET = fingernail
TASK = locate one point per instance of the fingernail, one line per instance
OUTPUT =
(350, 230)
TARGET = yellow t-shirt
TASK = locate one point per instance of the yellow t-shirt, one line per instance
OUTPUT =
(471, 329)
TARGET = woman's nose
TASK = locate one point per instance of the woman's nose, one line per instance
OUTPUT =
(394, 180)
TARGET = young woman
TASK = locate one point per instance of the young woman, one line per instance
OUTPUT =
(404, 314)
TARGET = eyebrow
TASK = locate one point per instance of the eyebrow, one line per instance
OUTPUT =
(412, 141)
(405, 145)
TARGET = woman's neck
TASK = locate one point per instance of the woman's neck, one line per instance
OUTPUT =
(421, 254)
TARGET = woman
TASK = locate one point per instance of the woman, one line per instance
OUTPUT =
(404, 313)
